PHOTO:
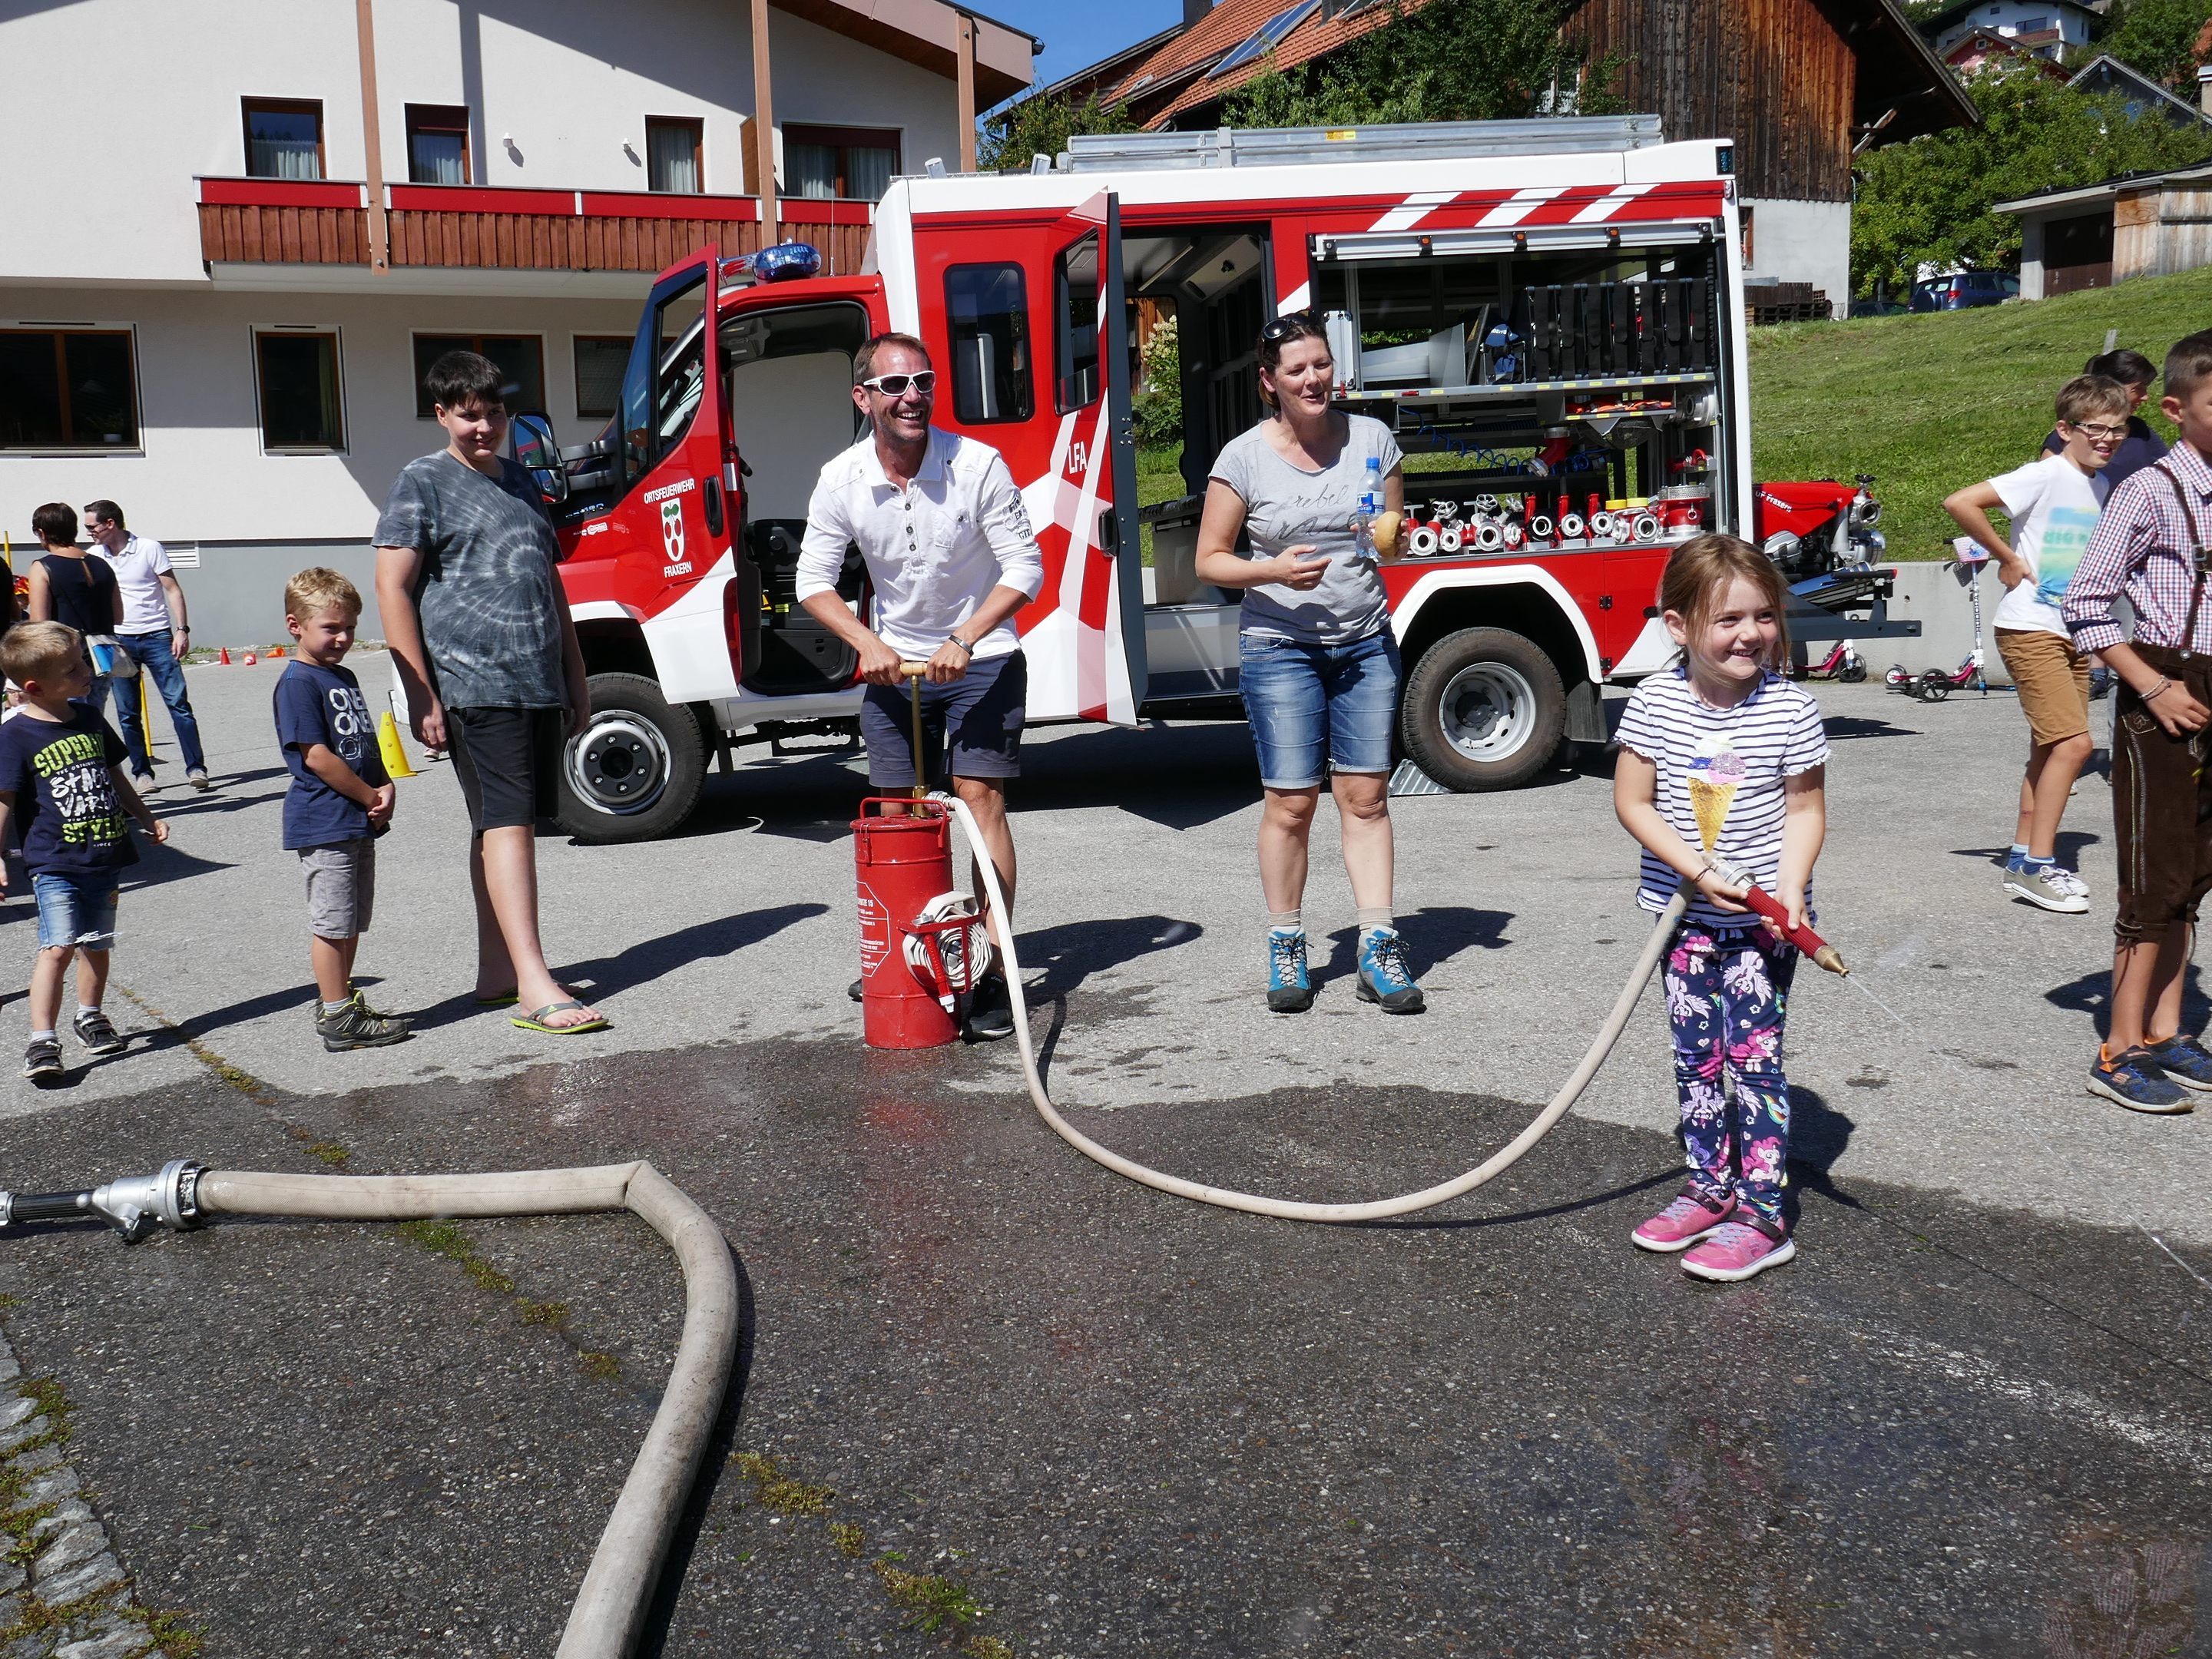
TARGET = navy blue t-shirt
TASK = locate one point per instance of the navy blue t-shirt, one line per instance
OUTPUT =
(60, 774)
(323, 705)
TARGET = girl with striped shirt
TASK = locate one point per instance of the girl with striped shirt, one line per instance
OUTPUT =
(1721, 755)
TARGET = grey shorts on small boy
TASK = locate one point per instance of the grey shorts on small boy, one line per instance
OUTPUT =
(341, 887)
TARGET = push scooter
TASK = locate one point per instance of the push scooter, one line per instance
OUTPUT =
(1843, 663)
(1934, 684)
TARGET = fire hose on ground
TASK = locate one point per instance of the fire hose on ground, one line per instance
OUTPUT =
(604, 1622)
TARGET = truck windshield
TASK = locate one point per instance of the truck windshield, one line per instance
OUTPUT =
(666, 373)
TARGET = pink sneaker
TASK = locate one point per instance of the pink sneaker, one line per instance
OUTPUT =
(1737, 1250)
(1681, 1223)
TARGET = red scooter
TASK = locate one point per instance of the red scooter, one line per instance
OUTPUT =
(1843, 663)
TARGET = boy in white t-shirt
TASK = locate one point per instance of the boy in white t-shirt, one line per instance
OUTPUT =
(2053, 504)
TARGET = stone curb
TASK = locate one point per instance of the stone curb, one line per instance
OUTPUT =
(70, 1559)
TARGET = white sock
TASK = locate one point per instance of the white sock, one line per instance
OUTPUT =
(42, 1037)
(1286, 921)
(338, 1007)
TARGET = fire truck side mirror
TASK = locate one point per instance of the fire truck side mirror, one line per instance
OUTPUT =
(535, 448)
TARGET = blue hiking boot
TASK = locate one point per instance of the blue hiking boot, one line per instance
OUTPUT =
(2137, 1082)
(1289, 990)
(1383, 976)
(2185, 1060)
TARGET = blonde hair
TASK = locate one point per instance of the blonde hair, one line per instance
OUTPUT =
(2090, 394)
(318, 589)
(1703, 568)
(40, 650)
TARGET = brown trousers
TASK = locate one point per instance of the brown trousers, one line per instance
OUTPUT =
(2162, 806)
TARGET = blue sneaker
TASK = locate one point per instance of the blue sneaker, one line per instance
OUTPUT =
(2185, 1060)
(2137, 1082)
(1383, 976)
(1289, 990)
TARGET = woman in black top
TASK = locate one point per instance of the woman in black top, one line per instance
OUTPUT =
(70, 586)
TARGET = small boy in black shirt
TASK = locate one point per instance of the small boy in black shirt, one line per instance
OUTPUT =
(61, 768)
(340, 800)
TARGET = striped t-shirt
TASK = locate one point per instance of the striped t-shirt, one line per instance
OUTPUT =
(1772, 734)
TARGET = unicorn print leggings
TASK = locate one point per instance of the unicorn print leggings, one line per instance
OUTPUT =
(1727, 993)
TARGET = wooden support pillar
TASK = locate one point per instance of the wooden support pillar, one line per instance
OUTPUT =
(763, 126)
(372, 141)
(967, 93)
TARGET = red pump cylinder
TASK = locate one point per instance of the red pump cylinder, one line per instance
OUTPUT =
(903, 850)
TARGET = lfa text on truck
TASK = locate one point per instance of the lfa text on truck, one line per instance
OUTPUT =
(1549, 313)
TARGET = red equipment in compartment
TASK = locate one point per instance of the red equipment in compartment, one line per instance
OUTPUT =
(904, 861)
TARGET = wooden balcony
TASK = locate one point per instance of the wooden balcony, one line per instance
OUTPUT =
(463, 227)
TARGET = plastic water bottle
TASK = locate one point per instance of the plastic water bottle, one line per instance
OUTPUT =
(1370, 509)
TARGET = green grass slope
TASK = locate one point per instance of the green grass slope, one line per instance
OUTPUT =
(1930, 403)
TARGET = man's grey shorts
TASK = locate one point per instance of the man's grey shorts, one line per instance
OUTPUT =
(341, 887)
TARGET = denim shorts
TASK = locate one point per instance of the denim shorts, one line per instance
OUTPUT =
(77, 910)
(1318, 709)
(974, 724)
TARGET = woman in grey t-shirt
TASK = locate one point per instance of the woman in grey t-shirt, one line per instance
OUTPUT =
(1319, 668)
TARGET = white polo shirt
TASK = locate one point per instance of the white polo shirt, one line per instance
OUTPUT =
(933, 550)
(138, 569)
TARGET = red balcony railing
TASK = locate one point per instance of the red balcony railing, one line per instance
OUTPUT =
(319, 222)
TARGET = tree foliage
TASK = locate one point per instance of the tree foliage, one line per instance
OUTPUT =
(1928, 202)
(1042, 126)
(1452, 60)
(2159, 38)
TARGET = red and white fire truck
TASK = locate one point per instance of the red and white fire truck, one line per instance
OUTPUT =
(1549, 312)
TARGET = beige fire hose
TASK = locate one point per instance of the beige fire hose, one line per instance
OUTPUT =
(604, 1620)
(1291, 1209)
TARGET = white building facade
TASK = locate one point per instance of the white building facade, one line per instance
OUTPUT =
(217, 293)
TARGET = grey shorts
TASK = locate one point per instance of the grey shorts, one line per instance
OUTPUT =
(341, 887)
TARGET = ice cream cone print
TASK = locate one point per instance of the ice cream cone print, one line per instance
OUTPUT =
(1710, 801)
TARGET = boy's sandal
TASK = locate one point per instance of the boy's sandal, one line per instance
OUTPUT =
(536, 1022)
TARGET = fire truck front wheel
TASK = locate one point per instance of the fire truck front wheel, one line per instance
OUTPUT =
(636, 772)
(1483, 709)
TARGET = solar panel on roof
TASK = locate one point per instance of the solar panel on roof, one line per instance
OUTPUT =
(1265, 39)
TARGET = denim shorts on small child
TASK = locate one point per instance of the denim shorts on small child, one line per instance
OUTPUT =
(76, 910)
(1317, 709)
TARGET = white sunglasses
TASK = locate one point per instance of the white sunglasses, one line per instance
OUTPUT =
(895, 385)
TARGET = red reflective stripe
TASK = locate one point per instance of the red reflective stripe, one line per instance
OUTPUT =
(279, 192)
(662, 204)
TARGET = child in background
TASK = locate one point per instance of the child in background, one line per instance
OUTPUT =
(340, 800)
(2053, 504)
(61, 768)
(2152, 545)
(1722, 755)
(2142, 446)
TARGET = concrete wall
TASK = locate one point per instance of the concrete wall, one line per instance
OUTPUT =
(1803, 242)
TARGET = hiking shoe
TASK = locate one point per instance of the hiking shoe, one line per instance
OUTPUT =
(42, 1061)
(2185, 1060)
(1289, 990)
(360, 1000)
(354, 1027)
(97, 1033)
(1737, 1250)
(1682, 1223)
(2138, 1082)
(990, 1010)
(198, 779)
(2037, 887)
(1383, 976)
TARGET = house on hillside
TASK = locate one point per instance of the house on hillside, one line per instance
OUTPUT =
(2147, 224)
(1982, 49)
(216, 307)
(1801, 85)
(2045, 28)
(2144, 97)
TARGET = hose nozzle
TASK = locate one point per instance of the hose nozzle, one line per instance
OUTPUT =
(1827, 958)
(133, 1205)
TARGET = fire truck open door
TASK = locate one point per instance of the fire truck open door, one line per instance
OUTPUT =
(1084, 636)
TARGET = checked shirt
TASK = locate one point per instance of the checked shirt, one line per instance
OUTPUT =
(2143, 548)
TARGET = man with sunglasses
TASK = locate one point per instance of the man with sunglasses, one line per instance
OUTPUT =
(950, 556)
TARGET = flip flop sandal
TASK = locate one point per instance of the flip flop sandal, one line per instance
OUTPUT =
(509, 1001)
(536, 1022)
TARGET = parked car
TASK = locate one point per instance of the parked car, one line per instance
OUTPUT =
(1878, 308)
(1965, 289)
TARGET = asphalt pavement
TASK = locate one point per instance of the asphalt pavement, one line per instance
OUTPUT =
(981, 1373)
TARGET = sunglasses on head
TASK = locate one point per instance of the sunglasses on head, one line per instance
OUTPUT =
(895, 385)
(1290, 323)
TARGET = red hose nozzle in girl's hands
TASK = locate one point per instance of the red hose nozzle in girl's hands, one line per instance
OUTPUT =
(1764, 903)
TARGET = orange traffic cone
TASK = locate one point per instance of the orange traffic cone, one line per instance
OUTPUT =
(275, 651)
(249, 660)
(224, 659)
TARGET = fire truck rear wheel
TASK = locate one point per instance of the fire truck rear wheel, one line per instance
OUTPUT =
(1483, 709)
(636, 772)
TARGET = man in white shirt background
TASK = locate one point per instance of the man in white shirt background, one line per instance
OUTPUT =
(154, 630)
(950, 556)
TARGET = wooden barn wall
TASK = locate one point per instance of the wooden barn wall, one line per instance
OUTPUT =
(1774, 75)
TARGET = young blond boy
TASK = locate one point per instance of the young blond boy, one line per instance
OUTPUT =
(62, 779)
(2053, 504)
(2151, 546)
(340, 800)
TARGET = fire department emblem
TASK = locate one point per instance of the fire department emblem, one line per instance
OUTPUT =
(672, 529)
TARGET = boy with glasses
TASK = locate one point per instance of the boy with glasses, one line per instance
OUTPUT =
(2053, 504)
(2142, 446)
